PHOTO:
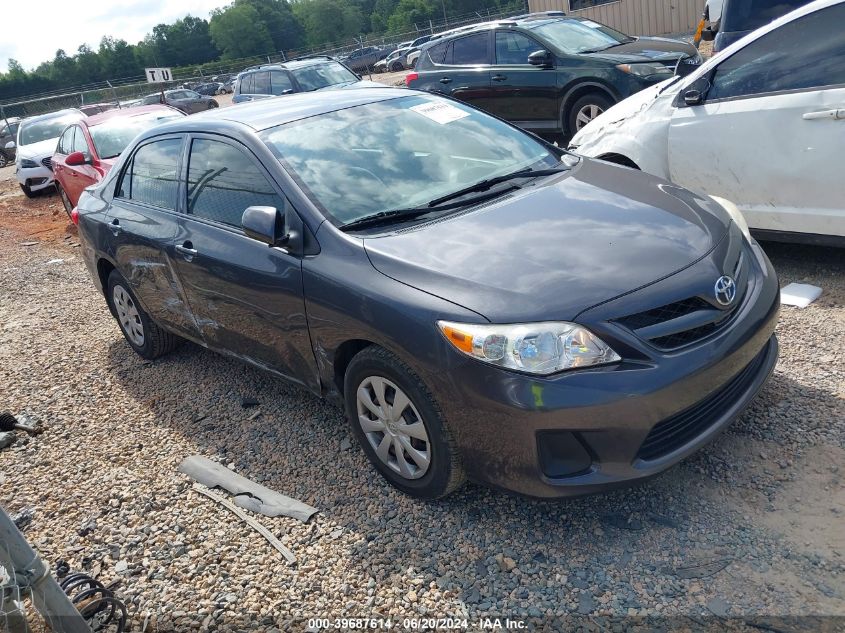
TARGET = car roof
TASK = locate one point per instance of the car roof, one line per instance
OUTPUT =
(127, 113)
(266, 113)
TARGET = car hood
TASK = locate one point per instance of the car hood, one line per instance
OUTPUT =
(552, 250)
(647, 49)
(37, 151)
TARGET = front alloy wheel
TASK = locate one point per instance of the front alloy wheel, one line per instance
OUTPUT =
(3, 160)
(586, 109)
(393, 427)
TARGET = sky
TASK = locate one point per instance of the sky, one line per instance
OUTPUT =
(35, 30)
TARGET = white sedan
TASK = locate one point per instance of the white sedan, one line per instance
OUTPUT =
(761, 124)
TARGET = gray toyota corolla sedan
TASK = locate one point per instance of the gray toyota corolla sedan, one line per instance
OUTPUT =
(483, 304)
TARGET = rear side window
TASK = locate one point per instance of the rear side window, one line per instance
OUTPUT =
(471, 50)
(223, 181)
(262, 83)
(279, 83)
(153, 176)
(437, 53)
(248, 84)
(804, 54)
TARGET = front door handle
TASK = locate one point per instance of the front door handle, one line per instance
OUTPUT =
(187, 250)
(115, 226)
(445, 80)
(832, 115)
(499, 77)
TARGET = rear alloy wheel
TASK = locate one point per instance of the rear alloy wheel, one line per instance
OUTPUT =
(65, 200)
(586, 109)
(396, 67)
(212, 105)
(399, 425)
(141, 332)
(3, 160)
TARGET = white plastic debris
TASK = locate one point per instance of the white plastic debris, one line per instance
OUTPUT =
(800, 295)
(55, 261)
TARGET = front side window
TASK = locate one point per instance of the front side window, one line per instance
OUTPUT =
(223, 181)
(806, 53)
(280, 83)
(514, 48)
(471, 50)
(80, 144)
(323, 75)
(153, 177)
(747, 16)
(399, 153)
(66, 141)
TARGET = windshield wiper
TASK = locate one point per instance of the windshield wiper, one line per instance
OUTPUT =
(387, 217)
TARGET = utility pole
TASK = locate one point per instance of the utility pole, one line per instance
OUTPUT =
(445, 19)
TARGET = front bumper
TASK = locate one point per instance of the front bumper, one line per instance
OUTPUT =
(586, 431)
(36, 178)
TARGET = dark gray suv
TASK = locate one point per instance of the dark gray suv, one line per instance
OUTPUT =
(303, 75)
(483, 304)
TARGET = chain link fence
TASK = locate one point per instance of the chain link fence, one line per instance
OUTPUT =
(127, 91)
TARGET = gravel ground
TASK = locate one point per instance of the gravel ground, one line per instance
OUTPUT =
(750, 527)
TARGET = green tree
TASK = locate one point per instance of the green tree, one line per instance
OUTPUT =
(411, 13)
(238, 32)
(285, 30)
(328, 21)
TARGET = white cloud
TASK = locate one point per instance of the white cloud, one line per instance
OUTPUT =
(35, 31)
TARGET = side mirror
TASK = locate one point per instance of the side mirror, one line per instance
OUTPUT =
(265, 224)
(541, 58)
(693, 97)
(708, 34)
(684, 68)
(10, 145)
(74, 159)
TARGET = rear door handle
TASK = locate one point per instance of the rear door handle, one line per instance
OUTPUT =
(499, 77)
(115, 226)
(445, 80)
(833, 115)
(187, 250)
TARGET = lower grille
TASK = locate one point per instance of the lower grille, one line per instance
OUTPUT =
(48, 163)
(674, 432)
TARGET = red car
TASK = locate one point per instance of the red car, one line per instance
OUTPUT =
(88, 148)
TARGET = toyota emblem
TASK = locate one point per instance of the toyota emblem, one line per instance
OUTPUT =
(725, 290)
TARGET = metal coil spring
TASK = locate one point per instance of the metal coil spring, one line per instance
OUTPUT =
(96, 602)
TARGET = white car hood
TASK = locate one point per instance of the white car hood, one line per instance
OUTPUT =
(37, 151)
(637, 103)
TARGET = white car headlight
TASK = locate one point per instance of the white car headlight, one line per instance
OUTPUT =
(736, 215)
(536, 348)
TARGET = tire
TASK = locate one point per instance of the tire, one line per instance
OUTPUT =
(443, 473)
(153, 341)
(4, 160)
(396, 67)
(591, 105)
(65, 200)
(29, 193)
(212, 105)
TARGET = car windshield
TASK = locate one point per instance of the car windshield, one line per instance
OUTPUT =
(579, 36)
(114, 135)
(322, 75)
(399, 153)
(45, 129)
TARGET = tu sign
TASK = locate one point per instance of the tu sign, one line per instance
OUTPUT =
(157, 75)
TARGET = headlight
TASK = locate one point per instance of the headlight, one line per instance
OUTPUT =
(736, 215)
(536, 348)
(646, 70)
(28, 164)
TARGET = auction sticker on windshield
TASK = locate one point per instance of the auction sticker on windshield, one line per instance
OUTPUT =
(441, 112)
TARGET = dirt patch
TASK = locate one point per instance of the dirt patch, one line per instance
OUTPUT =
(42, 218)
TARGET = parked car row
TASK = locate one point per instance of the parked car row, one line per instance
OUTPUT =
(70, 150)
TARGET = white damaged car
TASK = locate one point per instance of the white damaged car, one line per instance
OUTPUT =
(761, 124)
(36, 144)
